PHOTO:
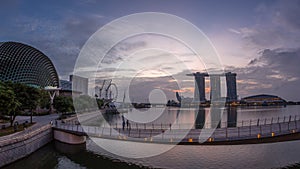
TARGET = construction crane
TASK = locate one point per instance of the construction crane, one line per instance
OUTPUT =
(100, 90)
(106, 91)
(116, 91)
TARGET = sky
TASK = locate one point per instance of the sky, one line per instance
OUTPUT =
(259, 40)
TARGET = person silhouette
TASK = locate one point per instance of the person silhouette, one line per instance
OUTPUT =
(127, 124)
(123, 125)
(123, 122)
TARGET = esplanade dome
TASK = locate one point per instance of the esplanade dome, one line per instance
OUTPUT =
(25, 64)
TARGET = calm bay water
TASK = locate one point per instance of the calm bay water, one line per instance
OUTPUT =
(57, 155)
(60, 156)
(272, 155)
(230, 117)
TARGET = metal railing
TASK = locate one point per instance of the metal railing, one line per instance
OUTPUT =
(226, 124)
(23, 135)
(259, 128)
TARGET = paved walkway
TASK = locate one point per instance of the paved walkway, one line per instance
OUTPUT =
(40, 121)
(169, 135)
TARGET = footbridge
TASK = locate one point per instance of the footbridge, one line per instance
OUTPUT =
(253, 131)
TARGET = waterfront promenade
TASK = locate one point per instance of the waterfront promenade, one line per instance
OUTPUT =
(40, 121)
(20, 144)
(252, 131)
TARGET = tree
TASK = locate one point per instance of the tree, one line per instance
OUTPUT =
(9, 105)
(85, 103)
(44, 101)
(33, 99)
(100, 103)
(28, 96)
(63, 104)
(21, 98)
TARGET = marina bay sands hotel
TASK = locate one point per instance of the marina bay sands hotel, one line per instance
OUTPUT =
(215, 86)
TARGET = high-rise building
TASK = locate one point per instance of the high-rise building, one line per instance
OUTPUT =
(215, 87)
(79, 84)
(231, 86)
(199, 93)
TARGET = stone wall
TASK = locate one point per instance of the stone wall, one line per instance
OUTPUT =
(68, 138)
(24, 144)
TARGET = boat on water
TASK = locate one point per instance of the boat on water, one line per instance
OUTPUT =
(110, 108)
(114, 108)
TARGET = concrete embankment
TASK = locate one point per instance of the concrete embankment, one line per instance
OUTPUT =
(68, 138)
(25, 143)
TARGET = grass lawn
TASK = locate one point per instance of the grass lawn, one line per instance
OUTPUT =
(10, 130)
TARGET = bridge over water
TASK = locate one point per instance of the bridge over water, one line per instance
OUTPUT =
(258, 131)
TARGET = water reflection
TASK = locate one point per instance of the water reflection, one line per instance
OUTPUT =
(207, 117)
(69, 149)
(45, 158)
(214, 120)
(200, 118)
(57, 155)
(215, 116)
(88, 159)
(231, 117)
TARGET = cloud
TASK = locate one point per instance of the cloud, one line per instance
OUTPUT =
(140, 88)
(234, 31)
(274, 39)
(253, 62)
(122, 50)
(113, 69)
(60, 36)
(277, 26)
(287, 14)
(285, 61)
(273, 72)
(129, 46)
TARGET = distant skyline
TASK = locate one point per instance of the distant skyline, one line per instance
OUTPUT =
(258, 40)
